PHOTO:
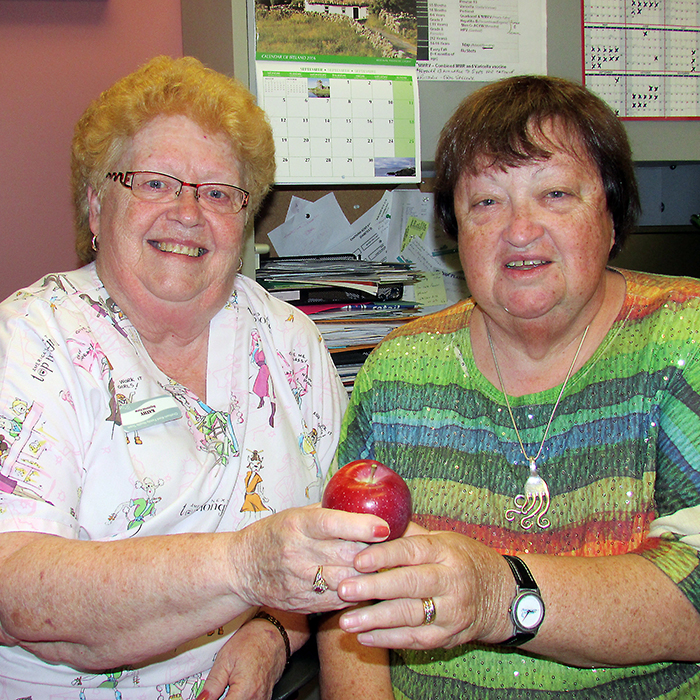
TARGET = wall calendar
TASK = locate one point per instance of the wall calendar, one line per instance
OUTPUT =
(338, 82)
(643, 56)
(340, 123)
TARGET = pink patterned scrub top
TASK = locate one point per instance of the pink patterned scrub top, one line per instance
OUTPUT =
(96, 443)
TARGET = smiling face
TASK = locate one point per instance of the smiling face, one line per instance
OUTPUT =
(159, 255)
(534, 240)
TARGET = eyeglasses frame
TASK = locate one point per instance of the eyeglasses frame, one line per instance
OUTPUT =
(127, 179)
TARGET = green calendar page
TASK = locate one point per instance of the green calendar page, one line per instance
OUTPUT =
(342, 123)
(338, 82)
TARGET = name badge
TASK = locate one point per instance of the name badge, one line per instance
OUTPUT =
(142, 414)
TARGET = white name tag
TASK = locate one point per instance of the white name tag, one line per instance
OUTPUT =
(141, 414)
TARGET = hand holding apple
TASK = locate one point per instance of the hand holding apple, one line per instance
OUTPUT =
(368, 486)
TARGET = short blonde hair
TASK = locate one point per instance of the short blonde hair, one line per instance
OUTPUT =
(167, 86)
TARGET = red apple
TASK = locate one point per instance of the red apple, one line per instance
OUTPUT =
(367, 486)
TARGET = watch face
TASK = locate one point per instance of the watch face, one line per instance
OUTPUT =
(528, 611)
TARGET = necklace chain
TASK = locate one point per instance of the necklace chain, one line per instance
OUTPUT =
(533, 504)
(531, 460)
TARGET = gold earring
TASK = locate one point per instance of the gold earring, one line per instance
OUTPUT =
(95, 243)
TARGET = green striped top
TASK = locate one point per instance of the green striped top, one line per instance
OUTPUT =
(622, 462)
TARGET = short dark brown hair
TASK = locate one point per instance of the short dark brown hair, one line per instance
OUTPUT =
(499, 125)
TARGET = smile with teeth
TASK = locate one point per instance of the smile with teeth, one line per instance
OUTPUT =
(178, 249)
(525, 263)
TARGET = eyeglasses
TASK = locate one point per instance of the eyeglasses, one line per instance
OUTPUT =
(158, 187)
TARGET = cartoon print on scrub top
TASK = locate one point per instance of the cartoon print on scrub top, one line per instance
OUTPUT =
(166, 691)
(136, 510)
(87, 353)
(13, 423)
(59, 281)
(307, 445)
(262, 386)
(298, 379)
(23, 443)
(216, 427)
(114, 415)
(107, 309)
(111, 680)
(104, 308)
(4, 448)
(255, 501)
(213, 429)
(123, 400)
(176, 691)
(122, 394)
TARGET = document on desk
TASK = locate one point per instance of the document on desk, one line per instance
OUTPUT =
(417, 239)
(368, 235)
(323, 228)
(399, 227)
(484, 40)
(310, 227)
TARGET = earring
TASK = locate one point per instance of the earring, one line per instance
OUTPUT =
(240, 265)
(95, 243)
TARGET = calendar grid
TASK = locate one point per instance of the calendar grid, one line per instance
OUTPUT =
(339, 125)
(643, 56)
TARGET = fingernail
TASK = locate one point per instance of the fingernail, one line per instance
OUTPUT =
(346, 590)
(349, 622)
(366, 639)
(204, 695)
(363, 561)
(381, 531)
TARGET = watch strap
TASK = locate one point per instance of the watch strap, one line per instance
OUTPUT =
(523, 576)
(525, 582)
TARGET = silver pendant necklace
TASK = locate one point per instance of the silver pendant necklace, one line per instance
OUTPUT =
(532, 505)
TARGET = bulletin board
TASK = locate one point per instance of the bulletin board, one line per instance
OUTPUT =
(220, 33)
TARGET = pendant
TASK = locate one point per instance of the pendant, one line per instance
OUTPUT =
(531, 506)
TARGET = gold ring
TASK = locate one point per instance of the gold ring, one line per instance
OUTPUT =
(320, 585)
(428, 611)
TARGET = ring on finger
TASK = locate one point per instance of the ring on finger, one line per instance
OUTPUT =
(319, 585)
(428, 611)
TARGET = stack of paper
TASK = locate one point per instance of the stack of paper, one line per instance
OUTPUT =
(354, 302)
(365, 278)
(335, 279)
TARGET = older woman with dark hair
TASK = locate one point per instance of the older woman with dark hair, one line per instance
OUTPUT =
(548, 427)
(155, 407)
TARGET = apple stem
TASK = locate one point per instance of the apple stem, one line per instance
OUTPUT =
(374, 469)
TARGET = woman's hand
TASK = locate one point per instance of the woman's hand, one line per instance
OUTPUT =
(249, 664)
(272, 562)
(469, 584)
(277, 558)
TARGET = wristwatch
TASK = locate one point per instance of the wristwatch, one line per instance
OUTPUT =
(527, 609)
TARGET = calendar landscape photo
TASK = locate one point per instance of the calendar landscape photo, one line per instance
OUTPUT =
(383, 31)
